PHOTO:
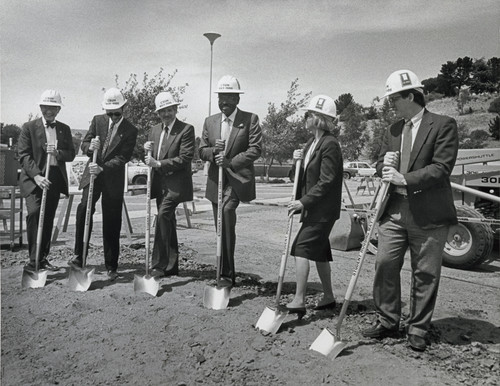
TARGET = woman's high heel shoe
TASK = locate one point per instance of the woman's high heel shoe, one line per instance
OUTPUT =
(300, 311)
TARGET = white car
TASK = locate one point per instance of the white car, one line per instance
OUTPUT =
(358, 168)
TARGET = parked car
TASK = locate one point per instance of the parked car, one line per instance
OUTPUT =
(197, 165)
(358, 168)
(137, 173)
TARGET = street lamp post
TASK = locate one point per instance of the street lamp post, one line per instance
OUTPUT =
(211, 36)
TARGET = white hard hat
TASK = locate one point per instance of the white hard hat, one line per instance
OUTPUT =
(50, 98)
(228, 84)
(113, 99)
(322, 104)
(165, 99)
(402, 80)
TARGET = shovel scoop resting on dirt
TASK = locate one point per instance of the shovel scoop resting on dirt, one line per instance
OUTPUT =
(217, 298)
(330, 344)
(271, 319)
(38, 277)
(80, 279)
(147, 284)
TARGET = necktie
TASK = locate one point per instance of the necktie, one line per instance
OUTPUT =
(163, 134)
(108, 139)
(225, 129)
(50, 124)
(406, 149)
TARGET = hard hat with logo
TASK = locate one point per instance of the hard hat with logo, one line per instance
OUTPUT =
(50, 98)
(322, 104)
(228, 84)
(165, 99)
(402, 80)
(113, 99)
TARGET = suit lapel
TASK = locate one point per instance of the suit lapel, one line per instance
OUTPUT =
(396, 144)
(237, 125)
(40, 133)
(423, 131)
(167, 142)
(117, 137)
(156, 138)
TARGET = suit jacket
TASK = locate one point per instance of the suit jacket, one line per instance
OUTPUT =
(432, 159)
(243, 147)
(32, 152)
(174, 176)
(118, 154)
(320, 182)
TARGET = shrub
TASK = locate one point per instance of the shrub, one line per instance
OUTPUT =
(495, 106)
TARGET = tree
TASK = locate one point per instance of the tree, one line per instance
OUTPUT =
(469, 141)
(282, 130)
(141, 107)
(342, 102)
(494, 128)
(10, 132)
(386, 118)
(354, 134)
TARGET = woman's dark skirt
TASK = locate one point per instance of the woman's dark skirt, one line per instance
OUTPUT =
(312, 241)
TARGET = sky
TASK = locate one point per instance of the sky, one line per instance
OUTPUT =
(333, 47)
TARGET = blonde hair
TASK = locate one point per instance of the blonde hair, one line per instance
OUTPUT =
(322, 122)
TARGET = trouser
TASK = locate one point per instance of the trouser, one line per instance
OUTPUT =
(230, 202)
(33, 205)
(111, 223)
(166, 247)
(396, 233)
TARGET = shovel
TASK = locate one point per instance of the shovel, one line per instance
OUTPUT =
(327, 343)
(147, 283)
(37, 278)
(271, 319)
(217, 298)
(81, 278)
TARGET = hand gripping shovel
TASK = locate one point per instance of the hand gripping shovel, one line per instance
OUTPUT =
(147, 283)
(326, 343)
(81, 278)
(37, 278)
(217, 298)
(271, 319)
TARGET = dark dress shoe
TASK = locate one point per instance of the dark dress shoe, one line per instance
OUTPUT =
(378, 331)
(157, 272)
(76, 262)
(46, 265)
(112, 275)
(417, 342)
(300, 311)
(327, 306)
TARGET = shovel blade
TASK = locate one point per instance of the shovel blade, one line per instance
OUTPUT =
(328, 344)
(271, 320)
(80, 278)
(34, 279)
(216, 298)
(147, 284)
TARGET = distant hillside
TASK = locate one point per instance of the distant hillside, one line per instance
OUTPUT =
(477, 120)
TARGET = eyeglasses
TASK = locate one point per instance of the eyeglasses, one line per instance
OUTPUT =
(395, 98)
(115, 114)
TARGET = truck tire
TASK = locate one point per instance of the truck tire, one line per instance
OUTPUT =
(140, 180)
(468, 243)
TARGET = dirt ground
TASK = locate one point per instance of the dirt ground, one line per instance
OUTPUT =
(111, 336)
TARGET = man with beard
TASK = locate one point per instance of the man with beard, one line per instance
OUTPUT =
(231, 139)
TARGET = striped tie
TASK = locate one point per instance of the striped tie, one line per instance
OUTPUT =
(406, 150)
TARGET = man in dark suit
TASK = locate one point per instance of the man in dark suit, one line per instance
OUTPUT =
(37, 139)
(115, 145)
(231, 139)
(172, 146)
(417, 157)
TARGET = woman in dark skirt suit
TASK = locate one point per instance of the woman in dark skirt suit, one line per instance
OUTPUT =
(318, 200)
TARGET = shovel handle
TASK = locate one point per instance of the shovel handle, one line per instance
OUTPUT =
(148, 213)
(41, 218)
(219, 220)
(362, 253)
(286, 252)
(88, 212)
